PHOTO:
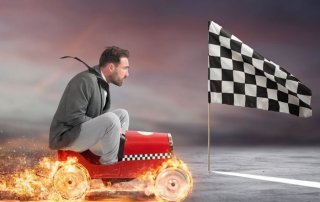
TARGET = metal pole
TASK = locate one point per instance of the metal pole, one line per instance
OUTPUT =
(209, 137)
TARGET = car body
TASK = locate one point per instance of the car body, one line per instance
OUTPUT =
(142, 152)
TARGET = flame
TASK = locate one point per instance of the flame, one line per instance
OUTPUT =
(33, 183)
(27, 184)
(36, 182)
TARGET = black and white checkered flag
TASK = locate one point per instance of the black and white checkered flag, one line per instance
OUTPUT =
(240, 76)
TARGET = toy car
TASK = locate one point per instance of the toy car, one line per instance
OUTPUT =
(141, 152)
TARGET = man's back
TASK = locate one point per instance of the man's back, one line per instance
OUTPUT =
(80, 102)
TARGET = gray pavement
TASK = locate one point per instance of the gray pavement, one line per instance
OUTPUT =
(284, 162)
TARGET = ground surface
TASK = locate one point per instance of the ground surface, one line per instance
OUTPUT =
(283, 162)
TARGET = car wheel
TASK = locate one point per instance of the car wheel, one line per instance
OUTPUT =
(173, 184)
(71, 181)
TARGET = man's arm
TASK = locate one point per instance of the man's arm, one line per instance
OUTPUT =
(78, 97)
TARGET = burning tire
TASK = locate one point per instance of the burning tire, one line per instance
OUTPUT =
(71, 181)
(173, 184)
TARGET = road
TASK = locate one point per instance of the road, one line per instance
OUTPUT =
(281, 162)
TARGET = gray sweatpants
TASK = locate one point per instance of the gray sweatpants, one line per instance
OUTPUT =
(105, 129)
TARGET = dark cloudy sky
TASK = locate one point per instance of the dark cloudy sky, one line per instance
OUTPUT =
(167, 87)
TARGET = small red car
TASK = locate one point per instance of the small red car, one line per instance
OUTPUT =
(141, 152)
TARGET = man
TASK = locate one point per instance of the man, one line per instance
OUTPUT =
(82, 118)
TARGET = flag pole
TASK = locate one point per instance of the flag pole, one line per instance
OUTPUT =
(208, 137)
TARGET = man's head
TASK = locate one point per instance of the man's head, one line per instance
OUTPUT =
(114, 64)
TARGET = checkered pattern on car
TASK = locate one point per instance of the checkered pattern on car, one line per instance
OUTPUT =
(137, 157)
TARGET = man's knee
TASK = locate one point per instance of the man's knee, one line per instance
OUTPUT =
(122, 113)
(111, 120)
(125, 113)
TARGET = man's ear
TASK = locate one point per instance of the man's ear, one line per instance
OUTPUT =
(111, 67)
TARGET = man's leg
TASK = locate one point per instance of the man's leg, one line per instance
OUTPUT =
(105, 128)
(124, 118)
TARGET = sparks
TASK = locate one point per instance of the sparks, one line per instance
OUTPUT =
(172, 181)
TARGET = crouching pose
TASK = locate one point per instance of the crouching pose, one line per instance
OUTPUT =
(83, 118)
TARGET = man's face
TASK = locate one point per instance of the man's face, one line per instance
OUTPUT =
(120, 72)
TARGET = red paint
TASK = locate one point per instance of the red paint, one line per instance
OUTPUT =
(136, 143)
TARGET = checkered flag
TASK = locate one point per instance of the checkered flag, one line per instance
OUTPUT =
(240, 76)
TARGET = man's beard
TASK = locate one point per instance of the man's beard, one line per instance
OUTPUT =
(117, 82)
